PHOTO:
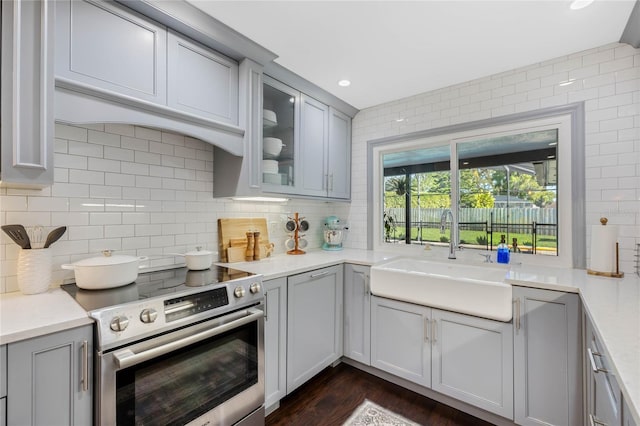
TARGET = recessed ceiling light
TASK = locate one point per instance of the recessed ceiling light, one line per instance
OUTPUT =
(344, 83)
(580, 4)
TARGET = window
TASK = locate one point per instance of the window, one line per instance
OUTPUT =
(514, 180)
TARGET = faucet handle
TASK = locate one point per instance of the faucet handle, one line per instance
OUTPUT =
(487, 257)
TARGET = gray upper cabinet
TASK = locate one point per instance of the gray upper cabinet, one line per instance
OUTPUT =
(315, 160)
(314, 323)
(339, 155)
(547, 360)
(275, 341)
(27, 81)
(113, 48)
(200, 81)
(627, 418)
(314, 138)
(3, 385)
(50, 379)
(357, 313)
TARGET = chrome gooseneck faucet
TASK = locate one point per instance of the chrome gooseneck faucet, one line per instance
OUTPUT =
(453, 241)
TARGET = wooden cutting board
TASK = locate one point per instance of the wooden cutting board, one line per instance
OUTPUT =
(232, 230)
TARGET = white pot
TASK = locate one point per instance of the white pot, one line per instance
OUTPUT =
(106, 271)
(197, 260)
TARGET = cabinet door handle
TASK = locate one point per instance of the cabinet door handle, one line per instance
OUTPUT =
(367, 285)
(85, 366)
(325, 183)
(434, 331)
(319, 274)
(331, 182)
(426, 329)
(517, 301)
(594, 421)
(594, 367)
(266, 308)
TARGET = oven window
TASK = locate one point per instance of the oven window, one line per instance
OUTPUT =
(179, 387)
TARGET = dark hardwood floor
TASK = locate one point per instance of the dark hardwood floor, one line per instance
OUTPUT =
(329, 399)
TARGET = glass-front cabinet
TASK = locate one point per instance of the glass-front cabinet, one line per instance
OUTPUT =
(281, 118)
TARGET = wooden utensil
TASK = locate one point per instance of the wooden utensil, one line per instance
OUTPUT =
(236, 254)
(18, 234)
(54, 236)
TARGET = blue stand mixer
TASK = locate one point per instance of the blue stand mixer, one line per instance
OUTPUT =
(334, 232)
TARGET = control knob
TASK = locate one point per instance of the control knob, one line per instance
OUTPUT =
(238, 292)
(254, 288)
(148, 316)
(119, 323)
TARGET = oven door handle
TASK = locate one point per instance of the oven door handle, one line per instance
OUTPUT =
(126, 357)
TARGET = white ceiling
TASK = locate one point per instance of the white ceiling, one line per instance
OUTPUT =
(394, 49)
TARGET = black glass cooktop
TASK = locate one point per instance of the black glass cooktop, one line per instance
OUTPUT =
(153, 284)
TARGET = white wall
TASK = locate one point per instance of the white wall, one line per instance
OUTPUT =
(607, 79)
(139, 191)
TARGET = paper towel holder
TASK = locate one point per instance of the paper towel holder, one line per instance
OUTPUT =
(617, 273)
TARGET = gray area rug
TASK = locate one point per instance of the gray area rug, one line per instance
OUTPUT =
(370, 414)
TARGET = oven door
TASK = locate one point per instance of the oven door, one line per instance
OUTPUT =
(208, 373)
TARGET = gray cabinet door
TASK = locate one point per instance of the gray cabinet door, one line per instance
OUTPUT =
(547, 361)
(111, 47)
(201, 81)
(3, 371)
(339, 155)
(3, 411)
(27, 81)
(49, 379)
(314, 323)
(627, 418)
(275, 340)
(604, 399)
(472, 360)
(314, 136)
(400, 339)
(357, 313)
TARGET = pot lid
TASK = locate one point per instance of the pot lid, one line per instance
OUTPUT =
(106, 259)
(199, 252)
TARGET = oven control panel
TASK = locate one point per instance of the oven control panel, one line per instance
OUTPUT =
(132, 321)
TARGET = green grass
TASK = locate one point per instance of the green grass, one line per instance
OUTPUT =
(471, 237)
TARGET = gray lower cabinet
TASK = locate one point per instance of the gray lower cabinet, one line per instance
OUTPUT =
(465, 357)
(314, 323)
(627, 418)
(50, 379)
(357, 313)
(275, 340)
(472, 360)
(3, 385)
(547, 360)
(604, 399)
(27, 81)
(399, 340)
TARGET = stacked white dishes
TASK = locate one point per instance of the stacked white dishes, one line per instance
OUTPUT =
(271, 147)
(270, 166)
(269, 118)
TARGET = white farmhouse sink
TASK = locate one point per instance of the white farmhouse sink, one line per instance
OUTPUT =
(468, 289)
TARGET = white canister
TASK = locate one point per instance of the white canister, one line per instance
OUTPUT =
(34, 270)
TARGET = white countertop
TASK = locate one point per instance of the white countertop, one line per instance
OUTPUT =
(26, 316)
(612, 304)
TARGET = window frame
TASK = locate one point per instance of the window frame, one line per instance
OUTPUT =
(569, 120)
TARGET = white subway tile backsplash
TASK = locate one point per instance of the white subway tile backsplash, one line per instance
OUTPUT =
(119, 129)
(70, 161)
(146, 133)
(70, 132)
(98, 245)
(86, 176)
(69, 219)
(142, 157)
(105, 218)
(85, 149)
(13, 203)
(70, 190)
(100, 164)
(148, 182)
(134, 243)
(134, 143)
(99, 137)
(77, 232)
(113, 153)
(47, 204)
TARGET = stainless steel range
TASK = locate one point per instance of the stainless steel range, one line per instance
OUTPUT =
(179, 347)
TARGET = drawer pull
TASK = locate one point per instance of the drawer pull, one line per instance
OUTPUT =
(319, 274)
(593, 421)
(594, 367)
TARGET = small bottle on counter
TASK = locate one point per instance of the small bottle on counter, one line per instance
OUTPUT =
(514, 246)
(503, 251)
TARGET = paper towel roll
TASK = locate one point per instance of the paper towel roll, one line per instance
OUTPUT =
(603, 248)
